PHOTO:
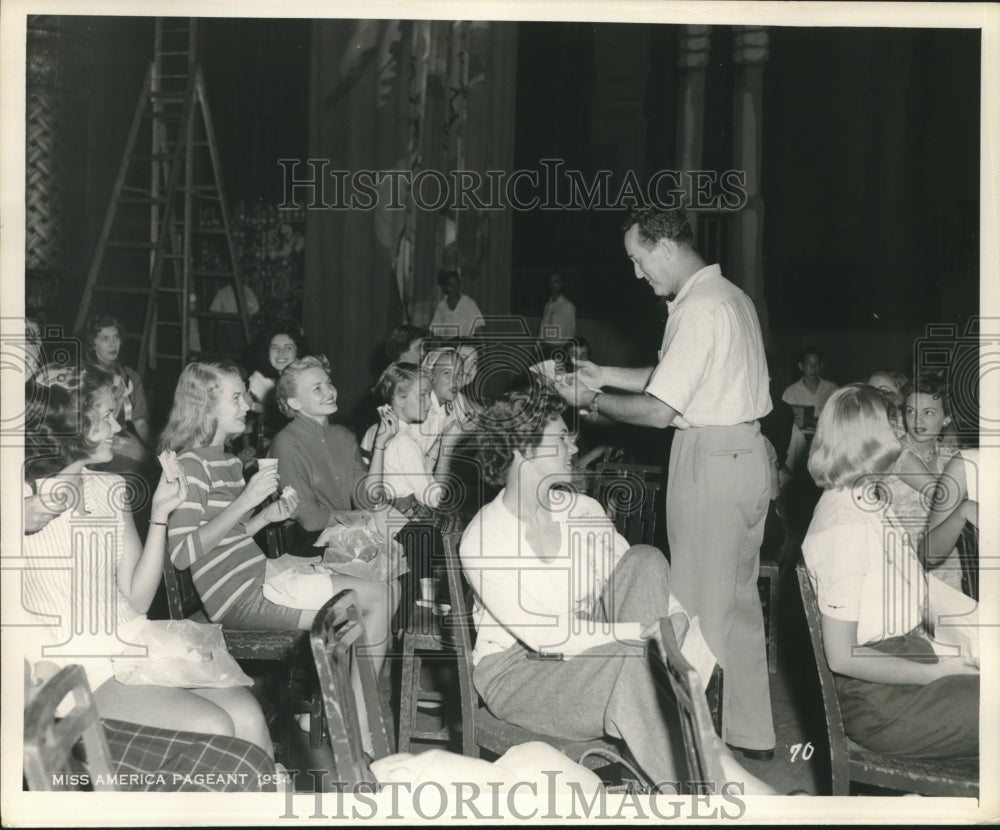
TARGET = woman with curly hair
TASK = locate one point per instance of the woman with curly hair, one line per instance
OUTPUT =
(552, 576)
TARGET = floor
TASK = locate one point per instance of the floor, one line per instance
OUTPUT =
(801, 760)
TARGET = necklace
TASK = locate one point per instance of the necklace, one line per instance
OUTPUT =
(926, 457)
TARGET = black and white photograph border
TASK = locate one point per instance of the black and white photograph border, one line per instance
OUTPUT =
(966, 326)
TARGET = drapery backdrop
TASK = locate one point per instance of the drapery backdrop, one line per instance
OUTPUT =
(391, 95)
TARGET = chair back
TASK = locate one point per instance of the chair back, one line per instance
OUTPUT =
(337, 637)
(827, 684)
(702, 746)
(968, 556)
(50, 741)
(633, 496)
(183, 601)
(458, 631)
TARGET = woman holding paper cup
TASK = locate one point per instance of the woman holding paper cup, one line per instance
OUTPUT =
(70, 425)
(553, 578)
(212, 532)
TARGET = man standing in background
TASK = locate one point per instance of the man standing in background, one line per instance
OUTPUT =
(559, 315)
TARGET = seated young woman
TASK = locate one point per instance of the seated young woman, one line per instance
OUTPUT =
(320, 460)
(70, 426)
(918, 469)
(552, 576)
(410, 476)
(212, 532)
(903, 691)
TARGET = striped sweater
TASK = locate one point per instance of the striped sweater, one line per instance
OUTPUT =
(235, 565)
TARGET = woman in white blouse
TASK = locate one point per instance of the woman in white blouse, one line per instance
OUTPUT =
(901, 643)
(553, 578)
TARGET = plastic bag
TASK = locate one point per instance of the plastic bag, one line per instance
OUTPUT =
(181, 653)
(366, 547)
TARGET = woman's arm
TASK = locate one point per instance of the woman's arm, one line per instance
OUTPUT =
(942, 539)
(141, 566)
(528, 612)
(142, 430)
(845, 656)
(188, 537)
(370, 494)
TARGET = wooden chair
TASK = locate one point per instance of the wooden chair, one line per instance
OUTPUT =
(337, 636)
(968, 556)
(52, 743)
(286, 653)
(702, 745)
(633, 495)
(852, 762)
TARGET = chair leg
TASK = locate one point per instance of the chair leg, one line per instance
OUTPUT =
(470, 702)
(772, 626)
(409, 677)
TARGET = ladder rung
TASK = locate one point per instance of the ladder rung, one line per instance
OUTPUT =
(136, 289)
(211, 274)
(216, 315)
(173, 53)
(124, 289)
(167, 96)
(172, 323)
(206, 231)
(146, 245)
(170, 357)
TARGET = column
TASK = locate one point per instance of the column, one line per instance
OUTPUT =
(694, 46)
(746, 234)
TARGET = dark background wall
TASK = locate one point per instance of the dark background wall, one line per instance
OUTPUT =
(869, 177)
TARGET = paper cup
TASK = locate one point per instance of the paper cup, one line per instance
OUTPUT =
(267, 464)
(428, 588)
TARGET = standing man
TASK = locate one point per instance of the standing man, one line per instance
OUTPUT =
(558, 322)
(711, 383)
(457, 315)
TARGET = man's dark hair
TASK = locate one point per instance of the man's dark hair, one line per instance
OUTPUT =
(401, 338)
(808, 350)
(660, 224)
(445, 275)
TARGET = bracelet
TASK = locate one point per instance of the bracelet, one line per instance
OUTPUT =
(158, 524)
(593, 402)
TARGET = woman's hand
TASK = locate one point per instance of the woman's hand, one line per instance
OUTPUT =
(388, 426)
(264, 483)
(281, 509)
(168, 496)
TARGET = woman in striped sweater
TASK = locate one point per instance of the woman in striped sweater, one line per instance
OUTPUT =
(97, 598)
(212, 531)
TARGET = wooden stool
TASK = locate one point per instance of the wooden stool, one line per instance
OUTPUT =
(422, 635)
